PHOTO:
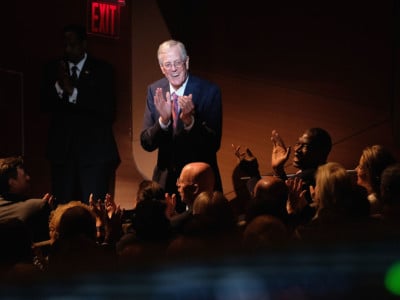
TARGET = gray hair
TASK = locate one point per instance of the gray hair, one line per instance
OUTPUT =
(165, 46)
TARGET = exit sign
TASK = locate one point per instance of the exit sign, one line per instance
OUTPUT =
(104, 18)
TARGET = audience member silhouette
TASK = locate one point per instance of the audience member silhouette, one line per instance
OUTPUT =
(16, 203)
(374, 159)
(210, 233)
(17, 259)
(342, 214)
(215, 210)
(76, 251)
(147, 238)
(390, 197)
(270, 197)
(244, 177)
(390, 186)
(311, 151)
(55, 217)
(196, 231)
(195, 178)
(147, 189)
(108, 220)
(264, 233)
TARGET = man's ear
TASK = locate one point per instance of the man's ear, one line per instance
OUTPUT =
(195, 188)
(187, 63)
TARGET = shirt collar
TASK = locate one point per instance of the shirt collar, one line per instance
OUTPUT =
(179, 91)
(80, 64)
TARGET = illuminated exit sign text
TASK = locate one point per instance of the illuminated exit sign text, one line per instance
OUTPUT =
(104, 18)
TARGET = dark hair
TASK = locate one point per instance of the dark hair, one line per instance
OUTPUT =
(77, 221)
(374, 159)
(79, 30)
(8, 169)
(149, 189)
(390, 184)
(150, 222)
(320, 140)
(17, 242)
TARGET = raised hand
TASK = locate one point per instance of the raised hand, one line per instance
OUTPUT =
(170, 201)
(247, 161)
(163, 105)
(49, 199)
(296, 196)
(187, 108)
(63, 77)
(280, 153)
(108, 218)
(113, 226)
(99, 210)
(112, 208)
(243, 155)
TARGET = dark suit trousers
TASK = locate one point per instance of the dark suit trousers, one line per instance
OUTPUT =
(74, 181)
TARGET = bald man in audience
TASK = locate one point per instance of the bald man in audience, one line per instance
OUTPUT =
(270, 197)
(195, 178)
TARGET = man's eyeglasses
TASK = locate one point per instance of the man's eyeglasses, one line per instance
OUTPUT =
(300, 145)
(177, 64)
(179, 182)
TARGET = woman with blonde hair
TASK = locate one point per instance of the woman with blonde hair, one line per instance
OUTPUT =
(374, 159)
(342, 208)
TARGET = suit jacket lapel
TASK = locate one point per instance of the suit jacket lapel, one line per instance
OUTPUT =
(87, 68)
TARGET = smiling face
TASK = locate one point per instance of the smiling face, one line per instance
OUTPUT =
(303, 154)
(174, 64)
(312, 149)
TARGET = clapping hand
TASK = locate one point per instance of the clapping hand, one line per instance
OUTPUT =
(112, 208)
(170, 201)
(187, 108)
(296, 196)
(64, 79)
(108, 217)
(280, 153)
(247, 161)
(49, 199)
(163, 105)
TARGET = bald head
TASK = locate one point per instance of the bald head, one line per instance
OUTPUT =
(270, 195)
(270, 187)
(195, 178)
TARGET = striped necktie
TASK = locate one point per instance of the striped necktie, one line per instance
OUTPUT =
(175, 111)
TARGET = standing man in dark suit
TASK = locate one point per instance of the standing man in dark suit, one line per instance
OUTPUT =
(189, 131)
(79, 91)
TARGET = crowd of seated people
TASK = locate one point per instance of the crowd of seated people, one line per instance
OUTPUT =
(321, 204)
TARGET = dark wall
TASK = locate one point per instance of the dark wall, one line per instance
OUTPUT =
(346, 45)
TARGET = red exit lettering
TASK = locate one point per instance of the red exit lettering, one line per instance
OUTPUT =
(103, 18)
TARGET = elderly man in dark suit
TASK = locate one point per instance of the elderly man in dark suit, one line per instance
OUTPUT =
(79, 91)
(182, 118)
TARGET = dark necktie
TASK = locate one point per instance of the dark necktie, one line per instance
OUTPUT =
(74, 75)
(74, 79)
(175, 111)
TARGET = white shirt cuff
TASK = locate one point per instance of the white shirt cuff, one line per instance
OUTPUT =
(188, 127)
(164, 127)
